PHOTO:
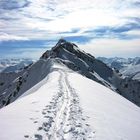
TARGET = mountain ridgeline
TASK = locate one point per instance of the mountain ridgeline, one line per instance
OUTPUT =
(13, 85)
(76, 59)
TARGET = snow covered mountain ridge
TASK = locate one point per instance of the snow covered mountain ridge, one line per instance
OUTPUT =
(12, 85)
(67, 94)
(76, 59)
(87, 65)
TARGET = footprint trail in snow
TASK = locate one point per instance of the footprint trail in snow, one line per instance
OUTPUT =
(63, 117)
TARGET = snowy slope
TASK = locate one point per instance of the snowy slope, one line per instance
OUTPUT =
(15, 84)
(112, 116)
(67, 105)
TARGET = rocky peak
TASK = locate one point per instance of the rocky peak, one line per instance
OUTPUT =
(60, 45)
(71, 55)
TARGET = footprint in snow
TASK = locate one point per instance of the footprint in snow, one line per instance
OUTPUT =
(34, 102)
(35, 121)
(38, 137)
(26, 136)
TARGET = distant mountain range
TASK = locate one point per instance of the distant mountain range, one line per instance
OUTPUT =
(129, 67)
(14, 65)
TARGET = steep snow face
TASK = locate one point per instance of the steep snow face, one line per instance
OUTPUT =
(129, 85)
(110, 113)
(67, 105)
(14, 86)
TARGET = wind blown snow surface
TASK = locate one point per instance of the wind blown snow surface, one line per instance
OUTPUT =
(68, 106)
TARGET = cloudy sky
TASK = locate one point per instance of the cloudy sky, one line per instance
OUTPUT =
(101, 27)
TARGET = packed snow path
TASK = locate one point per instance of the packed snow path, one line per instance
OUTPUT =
(63, 118)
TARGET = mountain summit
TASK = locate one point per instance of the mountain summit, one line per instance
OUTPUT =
(76, 59)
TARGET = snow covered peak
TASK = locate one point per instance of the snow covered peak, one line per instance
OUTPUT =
(76, 59)
(61, 41)
(59, 47)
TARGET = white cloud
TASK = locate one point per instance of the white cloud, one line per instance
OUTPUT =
(56, 16)
(5, 37)
(113, 47)
(134, 33)
(77, 14)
